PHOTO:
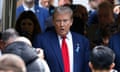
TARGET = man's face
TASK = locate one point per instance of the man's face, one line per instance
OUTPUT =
(97, 2)
(29, 3)
(62, 23)
(93, 4)
(44, 3)
(63, 2)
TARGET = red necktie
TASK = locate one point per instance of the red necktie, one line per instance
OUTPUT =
(65, 55)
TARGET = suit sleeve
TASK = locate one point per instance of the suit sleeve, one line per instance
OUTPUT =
(37, 42)
(110, 43)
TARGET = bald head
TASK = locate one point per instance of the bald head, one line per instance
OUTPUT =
(12, 63)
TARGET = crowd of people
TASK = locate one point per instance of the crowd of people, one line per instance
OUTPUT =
(67, 38)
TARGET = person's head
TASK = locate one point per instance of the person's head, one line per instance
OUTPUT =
(64, 2)
(102, 59)
(22, 49)
(11, 63)
(105, 16)
(99, 1)
(44, 3)
(93, 4)
(81, 12)
(9, 35)
(29, 3)
(116, 2)
(62, 19)
(27, 24)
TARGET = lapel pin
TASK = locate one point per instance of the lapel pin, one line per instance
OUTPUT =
(78, 47)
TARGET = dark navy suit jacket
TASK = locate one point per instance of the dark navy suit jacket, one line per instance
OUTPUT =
(41, 13)
(50, 44)
(115, 45)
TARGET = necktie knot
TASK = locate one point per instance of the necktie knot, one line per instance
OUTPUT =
(64, 37)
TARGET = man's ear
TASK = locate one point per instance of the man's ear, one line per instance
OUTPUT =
(71, 21)
(90, 65)
(112, 65)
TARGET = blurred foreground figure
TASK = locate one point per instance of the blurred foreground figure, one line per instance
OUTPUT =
(11, 63)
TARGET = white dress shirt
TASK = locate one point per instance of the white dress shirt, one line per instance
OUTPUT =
(27, 9)
(70, 48)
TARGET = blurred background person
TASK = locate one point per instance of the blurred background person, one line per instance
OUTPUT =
(8, 36)
(44, 4)
(102, 59)
(106, 22)
(41, 13)
(93, 6)
(105, 25)
(93, 15)
(116, 6)
(27, 25)
(11, 63)
(80, 17)
(25, 51)
(64, 2)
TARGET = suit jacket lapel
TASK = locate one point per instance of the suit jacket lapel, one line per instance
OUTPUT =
(57, 50)
(76, 53)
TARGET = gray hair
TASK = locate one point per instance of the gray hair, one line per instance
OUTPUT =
(62, 10)
(9, 33)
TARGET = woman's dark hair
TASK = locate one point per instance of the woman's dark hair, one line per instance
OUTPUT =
(28, 15)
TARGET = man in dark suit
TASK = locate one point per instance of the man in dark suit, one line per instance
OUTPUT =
(41, 13)
(115, 45)
(58, 58)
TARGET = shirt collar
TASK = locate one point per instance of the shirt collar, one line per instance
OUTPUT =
(27, 9)
(40, 5)
(68, 36)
